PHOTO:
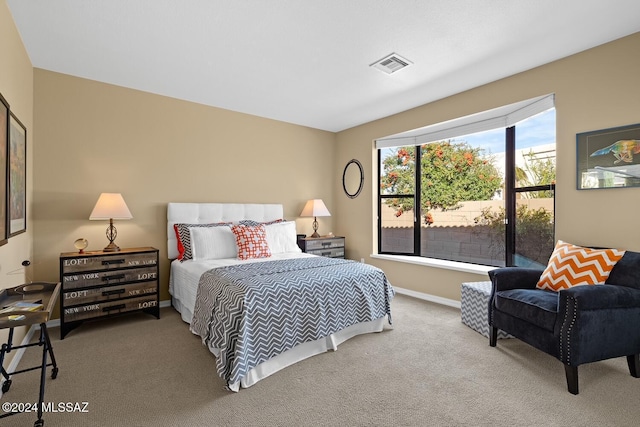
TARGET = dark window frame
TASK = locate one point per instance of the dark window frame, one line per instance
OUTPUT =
(509, 199)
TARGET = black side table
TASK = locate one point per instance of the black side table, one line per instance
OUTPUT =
(47, 294)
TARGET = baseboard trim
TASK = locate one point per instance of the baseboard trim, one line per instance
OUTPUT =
(428, 297)
(27, 338)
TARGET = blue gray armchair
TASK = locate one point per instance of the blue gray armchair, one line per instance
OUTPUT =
(578, 325)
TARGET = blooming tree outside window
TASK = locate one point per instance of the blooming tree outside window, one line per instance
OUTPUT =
(451, 173)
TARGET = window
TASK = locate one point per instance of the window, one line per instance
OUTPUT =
(485, 197)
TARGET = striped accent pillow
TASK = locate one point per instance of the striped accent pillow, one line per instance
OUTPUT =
(572, 265)
(183, 235)
(253, 223)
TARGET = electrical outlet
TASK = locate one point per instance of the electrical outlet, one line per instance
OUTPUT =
(362, 260)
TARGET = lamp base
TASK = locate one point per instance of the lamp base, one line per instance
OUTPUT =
(315, 228)
(111, 247)
(112, 232)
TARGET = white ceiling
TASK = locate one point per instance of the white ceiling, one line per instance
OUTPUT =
(307, 62)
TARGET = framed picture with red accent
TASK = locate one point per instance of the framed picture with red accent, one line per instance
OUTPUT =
(609, 158)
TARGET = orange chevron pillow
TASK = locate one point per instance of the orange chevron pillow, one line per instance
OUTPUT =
(572, 265)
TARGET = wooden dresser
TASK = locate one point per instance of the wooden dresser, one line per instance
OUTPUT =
(100, 284)
(332, 247)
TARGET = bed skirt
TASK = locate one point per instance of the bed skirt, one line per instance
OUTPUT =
(304, 351)
(181, 308)
(294, 355)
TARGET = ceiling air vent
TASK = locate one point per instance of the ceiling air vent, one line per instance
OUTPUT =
(391, 63)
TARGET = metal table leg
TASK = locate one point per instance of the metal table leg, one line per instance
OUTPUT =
(47, 352)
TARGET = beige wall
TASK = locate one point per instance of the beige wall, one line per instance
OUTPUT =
(16, 86)
(595, 89)
(96, 138)
(91, 137)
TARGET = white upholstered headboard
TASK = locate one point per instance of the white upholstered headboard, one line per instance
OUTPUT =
(204, 213)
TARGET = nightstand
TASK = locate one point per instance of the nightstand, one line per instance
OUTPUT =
(100, 284)
(332, 247)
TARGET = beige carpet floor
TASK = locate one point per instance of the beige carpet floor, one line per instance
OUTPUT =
(428, 370)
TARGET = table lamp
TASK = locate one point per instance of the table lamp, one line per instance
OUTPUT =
(315, 208)
(110, 206)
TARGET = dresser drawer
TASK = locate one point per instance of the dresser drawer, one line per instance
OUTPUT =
(331, 252)
(101, 309)
(313, 245)
(84, 296)
(109, 277)
(108, 262)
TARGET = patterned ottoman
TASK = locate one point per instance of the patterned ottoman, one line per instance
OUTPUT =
(474, 306)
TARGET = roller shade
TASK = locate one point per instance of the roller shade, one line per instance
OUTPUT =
(501, 117)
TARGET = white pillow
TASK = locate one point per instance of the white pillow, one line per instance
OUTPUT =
(213, 243)
(282, 238)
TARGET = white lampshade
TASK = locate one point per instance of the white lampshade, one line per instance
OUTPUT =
(110, 206)
(315, 207)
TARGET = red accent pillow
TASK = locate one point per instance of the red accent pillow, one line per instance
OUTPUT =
(251, 241)
(180, 245)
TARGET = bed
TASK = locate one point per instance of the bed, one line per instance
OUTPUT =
(261, 310)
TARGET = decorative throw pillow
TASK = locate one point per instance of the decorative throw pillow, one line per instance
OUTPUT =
(183, 235)
(251, 241)
(572, 265)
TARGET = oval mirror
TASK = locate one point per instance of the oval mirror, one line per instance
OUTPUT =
(353, 178)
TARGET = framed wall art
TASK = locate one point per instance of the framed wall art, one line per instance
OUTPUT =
(17, 186)
(609, 158)
(4, 135)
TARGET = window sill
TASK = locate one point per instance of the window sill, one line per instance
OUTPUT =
(437, 263)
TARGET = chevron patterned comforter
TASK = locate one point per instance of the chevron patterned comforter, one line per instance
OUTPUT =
(253, 312)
